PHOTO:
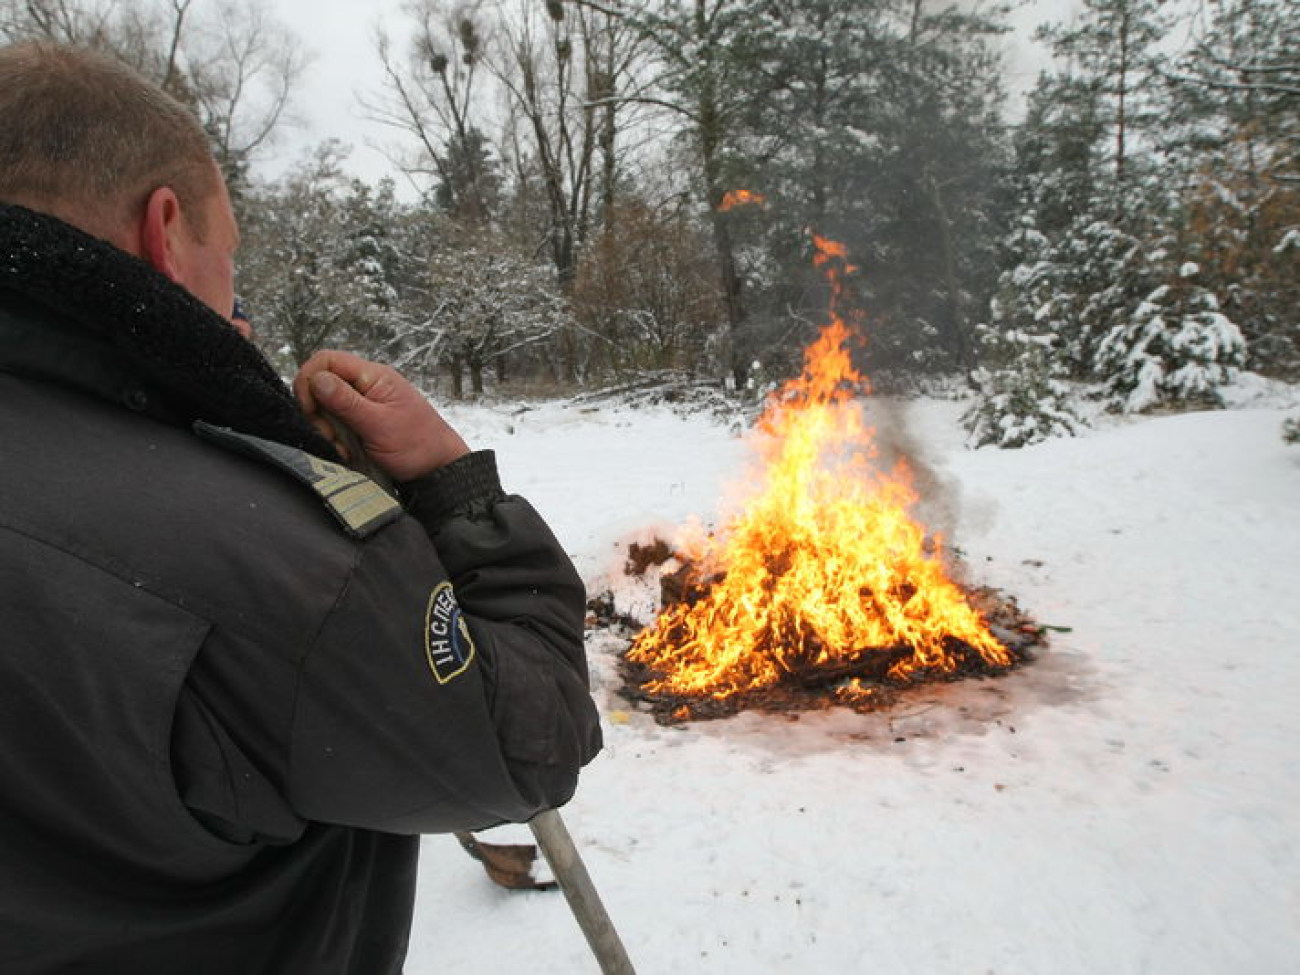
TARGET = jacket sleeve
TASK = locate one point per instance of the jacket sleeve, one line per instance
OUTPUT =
(448, 687)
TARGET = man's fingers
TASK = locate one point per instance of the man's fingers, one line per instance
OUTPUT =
(377, 413)
(316, 381)
(340, 398)
(360, 373)
(327, 389)
(329, 429)
(341, 365)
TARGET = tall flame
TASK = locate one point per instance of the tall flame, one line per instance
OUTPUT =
(824, 567)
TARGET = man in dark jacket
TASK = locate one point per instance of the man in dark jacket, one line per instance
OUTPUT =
(237, 679)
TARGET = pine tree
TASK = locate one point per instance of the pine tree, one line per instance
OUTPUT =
(1291, 429)
(1103, 277)
(876, 124)
(1065, 269)
(1116, 294)
(1238, 130)
(376, 253)
(1111, 49)
(1022, 401)
(1059, 157)
(1176, 348)
(1022, 393)
(469, 181)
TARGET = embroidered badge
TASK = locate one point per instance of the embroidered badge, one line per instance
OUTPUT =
(447, 642)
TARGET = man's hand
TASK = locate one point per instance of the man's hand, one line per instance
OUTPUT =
(397, 428)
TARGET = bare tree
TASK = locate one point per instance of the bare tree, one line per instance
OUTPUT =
(697, 79)
(433, 95)
(549, 102)
(571, 72)
(66, 21)
(231, 62)
(242, 66)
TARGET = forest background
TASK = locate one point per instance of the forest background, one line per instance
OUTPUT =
(622, 194)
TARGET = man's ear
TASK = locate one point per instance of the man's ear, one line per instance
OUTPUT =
(161, 232)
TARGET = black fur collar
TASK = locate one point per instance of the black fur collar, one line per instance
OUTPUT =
(176, 346)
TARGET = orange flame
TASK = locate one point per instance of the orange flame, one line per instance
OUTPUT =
(736, 198)
(823, 568)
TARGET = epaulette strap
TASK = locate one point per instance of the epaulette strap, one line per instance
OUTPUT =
(361, 506)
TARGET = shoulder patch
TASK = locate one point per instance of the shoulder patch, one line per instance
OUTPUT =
(447, 643)
(361, 506)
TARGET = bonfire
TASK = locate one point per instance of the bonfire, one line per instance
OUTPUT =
(823, 578)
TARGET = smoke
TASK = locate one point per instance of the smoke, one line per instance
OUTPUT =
(939, 507)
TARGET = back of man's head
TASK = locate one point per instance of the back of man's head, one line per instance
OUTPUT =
(85, 138)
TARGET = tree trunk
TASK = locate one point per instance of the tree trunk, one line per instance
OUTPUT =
(1121, 109)
(958, 340)
(455, 371)
(724, 246)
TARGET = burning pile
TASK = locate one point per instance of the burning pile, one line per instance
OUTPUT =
(823, 578)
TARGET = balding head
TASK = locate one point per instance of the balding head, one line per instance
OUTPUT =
(87, 139)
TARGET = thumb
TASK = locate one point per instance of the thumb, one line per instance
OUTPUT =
(335, 396)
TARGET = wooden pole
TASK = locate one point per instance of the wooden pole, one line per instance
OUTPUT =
(557, 846)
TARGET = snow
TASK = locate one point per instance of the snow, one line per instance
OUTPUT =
(1128, 803)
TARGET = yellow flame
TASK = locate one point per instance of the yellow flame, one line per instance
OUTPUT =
(823, 566)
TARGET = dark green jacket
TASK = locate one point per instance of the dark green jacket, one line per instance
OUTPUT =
(223, 713)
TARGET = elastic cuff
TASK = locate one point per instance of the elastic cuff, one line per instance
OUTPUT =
(466, 484)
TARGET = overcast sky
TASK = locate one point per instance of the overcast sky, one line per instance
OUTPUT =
(341, 35)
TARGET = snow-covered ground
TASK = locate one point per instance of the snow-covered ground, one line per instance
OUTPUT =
(1128, 803)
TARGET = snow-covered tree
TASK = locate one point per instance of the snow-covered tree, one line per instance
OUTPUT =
(1237, 125)
(1023, 400)
(317, 266)
(1061, 251)
(1291, 429)
(1103, 277)
(484, 306)
(1022, 393)
(1058, 154)
(1175, 348)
